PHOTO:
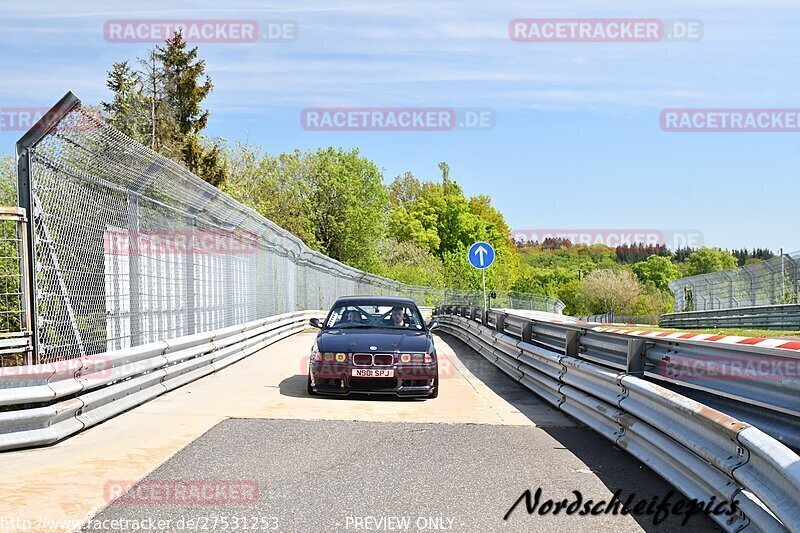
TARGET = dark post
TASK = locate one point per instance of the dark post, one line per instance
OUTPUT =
(527, 332)
(25, 200)
(572, 343)
(636, 357)
(500, 323)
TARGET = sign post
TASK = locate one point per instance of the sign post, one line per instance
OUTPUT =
(481, 256)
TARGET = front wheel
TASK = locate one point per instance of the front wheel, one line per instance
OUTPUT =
(309, 388)
(435, 392)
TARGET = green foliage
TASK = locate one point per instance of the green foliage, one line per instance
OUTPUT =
(440, 218)
(8, 180)
(277, 187)
(333, 199)
(348, 206)
(127, 109)
(608, 289)
(160, 106)
(408, 263)
(707, 260)
(657, 269)
(757, 255)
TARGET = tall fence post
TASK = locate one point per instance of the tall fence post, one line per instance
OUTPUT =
(28, 261)
(25, 200)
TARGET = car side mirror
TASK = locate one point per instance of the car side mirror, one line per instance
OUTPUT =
(433, 324)
(315, 322)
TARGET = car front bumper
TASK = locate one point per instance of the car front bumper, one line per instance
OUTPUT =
(408, 380)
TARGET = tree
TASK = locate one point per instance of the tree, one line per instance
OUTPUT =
(125, 111)
(159, 119)
(707, 260)
(658, 270)
(608, 289)
(412, 218)
(160, 105)
(408, 263)
(186, 85)
(8, 180)
(348, 206)
(276, 186)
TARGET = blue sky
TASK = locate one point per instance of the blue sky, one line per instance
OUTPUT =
(576, 141)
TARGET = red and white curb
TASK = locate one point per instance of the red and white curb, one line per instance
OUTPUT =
(759, 342)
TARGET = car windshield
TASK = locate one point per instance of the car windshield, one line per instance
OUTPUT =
(374, 315)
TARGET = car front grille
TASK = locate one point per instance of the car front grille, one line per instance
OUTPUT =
(383, 359)
(362, 359)
(368, 359)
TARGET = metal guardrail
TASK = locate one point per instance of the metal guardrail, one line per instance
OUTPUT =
(761, 377)
(702, 452)
(42, 404)
(776, 317)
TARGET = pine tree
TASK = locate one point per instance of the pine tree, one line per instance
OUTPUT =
(159, 105)
(186, 85)
(124, 112)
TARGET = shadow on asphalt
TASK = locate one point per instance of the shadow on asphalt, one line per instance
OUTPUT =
(617, 469)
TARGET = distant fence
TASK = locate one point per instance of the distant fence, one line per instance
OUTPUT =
(130, 248)
(605, 317)
(775, 317)
(771, 282)
(638, 319)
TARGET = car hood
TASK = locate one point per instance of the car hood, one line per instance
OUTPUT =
(384, 340)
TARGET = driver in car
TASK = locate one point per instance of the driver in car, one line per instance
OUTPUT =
(397, 317)
(352, 316)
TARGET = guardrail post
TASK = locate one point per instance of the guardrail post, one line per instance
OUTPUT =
(527, 332)
(473, 313)
(636, 357)
(500, 323)
(572, 342)
(485, 317)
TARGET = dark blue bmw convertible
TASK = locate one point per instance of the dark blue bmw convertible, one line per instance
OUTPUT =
(374, 345)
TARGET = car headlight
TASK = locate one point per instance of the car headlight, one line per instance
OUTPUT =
(428, 358)
(316, 356)
(405, 357)
(328, 356)
(341, 358)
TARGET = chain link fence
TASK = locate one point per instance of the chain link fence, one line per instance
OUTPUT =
(770, 282)
(14, 337)
(131, 248)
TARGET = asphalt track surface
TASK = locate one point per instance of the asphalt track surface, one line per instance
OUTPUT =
(434, 465)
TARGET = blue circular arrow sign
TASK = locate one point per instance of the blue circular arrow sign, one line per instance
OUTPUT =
(481, 255)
